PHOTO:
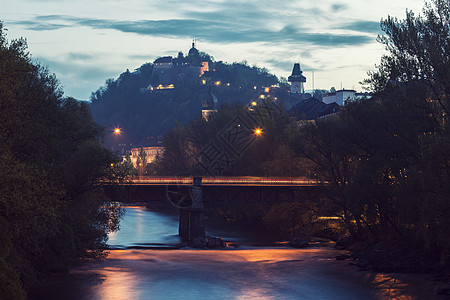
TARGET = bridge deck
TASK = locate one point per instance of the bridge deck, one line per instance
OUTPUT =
(224, 181)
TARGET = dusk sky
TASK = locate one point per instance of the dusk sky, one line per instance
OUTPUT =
(85, 42)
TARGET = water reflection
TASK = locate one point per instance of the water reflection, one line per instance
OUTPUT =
(143, 227)
(244, 273)
(225, 274)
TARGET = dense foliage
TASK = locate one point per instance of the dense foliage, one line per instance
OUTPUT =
(388, 158)
(142, 113)
(185, 146)
(51, 159)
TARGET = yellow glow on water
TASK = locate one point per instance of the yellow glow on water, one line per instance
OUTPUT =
(251, 273)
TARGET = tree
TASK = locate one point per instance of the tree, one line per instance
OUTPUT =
(387, 159)
(418, 51)
(417, 68)
(52, 209)
(141, 161)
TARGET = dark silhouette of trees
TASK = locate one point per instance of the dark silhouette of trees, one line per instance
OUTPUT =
(51, 160)
(387, 158)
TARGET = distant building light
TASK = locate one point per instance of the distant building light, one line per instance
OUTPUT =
(228, 84)
(217, 83)
(261, 96)
(165, 87)
(254, 103)
(267, 89)
(203, 81)
(254, 87)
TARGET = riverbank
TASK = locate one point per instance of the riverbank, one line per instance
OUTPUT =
(396, 257)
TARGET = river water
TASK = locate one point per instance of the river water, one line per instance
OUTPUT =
(146, 263)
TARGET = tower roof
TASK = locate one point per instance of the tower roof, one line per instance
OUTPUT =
(193, 51)
(296, 75)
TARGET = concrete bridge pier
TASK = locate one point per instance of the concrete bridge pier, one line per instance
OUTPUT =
(192, 220)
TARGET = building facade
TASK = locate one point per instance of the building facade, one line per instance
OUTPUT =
(150, 152)
(341, 96)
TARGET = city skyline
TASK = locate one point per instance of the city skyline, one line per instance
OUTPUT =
(86, 42)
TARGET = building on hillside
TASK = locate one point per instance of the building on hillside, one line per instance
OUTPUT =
(341, 96)
(204, 68)
(312, 109)
(168, 70)
(209, 105)
(151, 153)
(163, 62)
(297, 80)
(270, 92)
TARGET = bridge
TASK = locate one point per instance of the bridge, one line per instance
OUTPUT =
(225, 194)
(225, 181)
(216, 189)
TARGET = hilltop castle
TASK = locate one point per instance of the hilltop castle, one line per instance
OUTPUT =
(167, 70)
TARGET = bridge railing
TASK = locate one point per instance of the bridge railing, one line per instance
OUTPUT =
(225, 181)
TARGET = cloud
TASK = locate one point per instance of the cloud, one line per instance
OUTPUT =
(39, 26)
(77, 78)
(287, 64)
(213, 31)
(364, 26)
(80, 56)
(337, 7)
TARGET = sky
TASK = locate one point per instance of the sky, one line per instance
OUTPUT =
(85, 42)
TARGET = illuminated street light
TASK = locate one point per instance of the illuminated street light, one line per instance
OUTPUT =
(254, 103)
(258, 131)
(117, 131)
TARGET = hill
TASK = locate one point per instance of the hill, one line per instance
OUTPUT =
(150, 101)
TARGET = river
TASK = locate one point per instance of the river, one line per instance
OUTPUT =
(146, 263)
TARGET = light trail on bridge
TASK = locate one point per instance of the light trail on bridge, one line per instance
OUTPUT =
(224, 181)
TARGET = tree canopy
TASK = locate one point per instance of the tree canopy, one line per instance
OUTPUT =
(51, 211)
(388, 158)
